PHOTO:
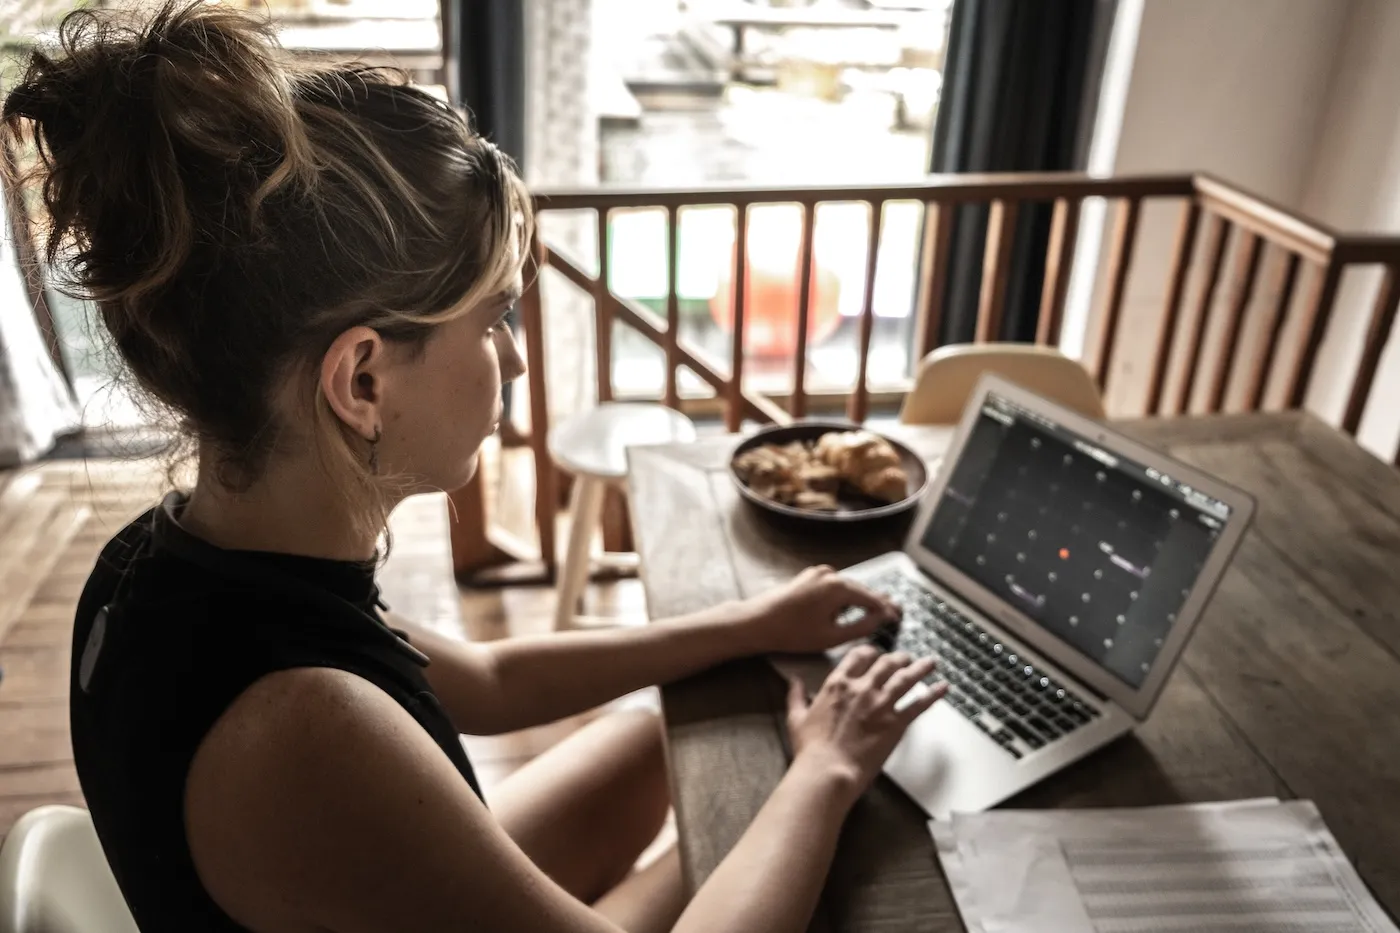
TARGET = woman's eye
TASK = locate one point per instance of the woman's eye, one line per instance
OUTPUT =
(503, 322)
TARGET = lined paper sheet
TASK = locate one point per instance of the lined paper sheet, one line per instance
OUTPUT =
(1256, 866)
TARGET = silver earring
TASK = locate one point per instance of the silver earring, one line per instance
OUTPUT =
(374, 452)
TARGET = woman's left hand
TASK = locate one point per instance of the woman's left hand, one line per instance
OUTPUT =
(801, 615)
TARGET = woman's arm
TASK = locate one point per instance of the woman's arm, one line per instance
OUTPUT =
(317, 803)
(514, 683)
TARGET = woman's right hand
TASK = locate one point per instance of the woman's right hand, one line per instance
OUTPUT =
(852, 725)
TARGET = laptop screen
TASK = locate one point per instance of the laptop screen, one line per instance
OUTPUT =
(1099, 550)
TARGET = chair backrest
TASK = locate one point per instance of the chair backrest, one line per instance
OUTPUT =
(55, 879)
(947, 376)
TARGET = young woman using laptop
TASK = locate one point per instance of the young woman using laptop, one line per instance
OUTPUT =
(311, 269)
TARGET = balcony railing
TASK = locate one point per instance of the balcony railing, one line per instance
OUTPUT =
(1308, 257)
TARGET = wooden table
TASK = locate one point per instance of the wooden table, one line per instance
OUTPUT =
(1290, 687)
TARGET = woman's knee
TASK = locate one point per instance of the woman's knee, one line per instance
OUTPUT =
(637, 746)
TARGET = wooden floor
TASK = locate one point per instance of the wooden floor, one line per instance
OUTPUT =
(55, 518)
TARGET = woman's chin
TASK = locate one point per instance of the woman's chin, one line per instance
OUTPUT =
(465, 474)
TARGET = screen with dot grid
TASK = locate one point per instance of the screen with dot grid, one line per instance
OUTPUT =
(1099, 550)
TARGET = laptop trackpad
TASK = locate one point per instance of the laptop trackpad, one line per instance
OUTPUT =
(943, 762)
(946, 764)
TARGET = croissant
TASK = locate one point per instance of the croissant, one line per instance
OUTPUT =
(809, 476)
(890, 484)
(866, 461)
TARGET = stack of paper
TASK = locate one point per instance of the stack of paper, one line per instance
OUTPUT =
(1254, 866)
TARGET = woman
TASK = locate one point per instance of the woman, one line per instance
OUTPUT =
(312, 268)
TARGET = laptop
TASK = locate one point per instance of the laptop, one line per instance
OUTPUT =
(1056, 568)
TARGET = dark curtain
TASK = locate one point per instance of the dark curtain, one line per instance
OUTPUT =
(484, 49)
(1020, 87)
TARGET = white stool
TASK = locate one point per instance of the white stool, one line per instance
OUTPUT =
(55, 879)
(592, 445)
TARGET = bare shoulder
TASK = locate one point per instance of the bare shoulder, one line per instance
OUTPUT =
(316, 802)
(277, 779)
(276, 718)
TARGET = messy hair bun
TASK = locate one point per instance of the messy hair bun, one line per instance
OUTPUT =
(231, 212)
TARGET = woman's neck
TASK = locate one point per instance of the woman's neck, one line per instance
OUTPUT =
(291, 509)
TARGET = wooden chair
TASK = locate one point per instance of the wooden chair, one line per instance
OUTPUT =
(948, 375)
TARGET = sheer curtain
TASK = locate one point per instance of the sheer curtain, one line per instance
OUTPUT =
(36, 404)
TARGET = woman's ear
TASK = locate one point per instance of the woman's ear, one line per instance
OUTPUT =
(352, 379)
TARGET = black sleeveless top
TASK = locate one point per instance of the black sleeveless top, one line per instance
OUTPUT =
(169, 631)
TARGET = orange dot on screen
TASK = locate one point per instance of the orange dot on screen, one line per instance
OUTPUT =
(1064, 553)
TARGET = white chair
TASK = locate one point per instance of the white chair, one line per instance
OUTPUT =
(947, 376)
(592, 445)
(55, 879)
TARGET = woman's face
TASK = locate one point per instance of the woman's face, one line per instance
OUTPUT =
(445, 400)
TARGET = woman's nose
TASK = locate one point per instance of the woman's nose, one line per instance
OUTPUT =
(512, 363)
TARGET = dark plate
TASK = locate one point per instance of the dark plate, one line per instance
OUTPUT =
(853, 508)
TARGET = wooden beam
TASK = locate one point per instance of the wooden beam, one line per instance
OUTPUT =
(1276, 223)
(942, 189)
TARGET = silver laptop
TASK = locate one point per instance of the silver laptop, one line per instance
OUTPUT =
(1056, 568)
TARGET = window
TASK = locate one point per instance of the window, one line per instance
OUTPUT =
(707, 93)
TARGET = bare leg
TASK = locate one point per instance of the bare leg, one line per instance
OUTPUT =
(584, 810)
(648, 901)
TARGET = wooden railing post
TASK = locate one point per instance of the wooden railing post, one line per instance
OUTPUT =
(858, 406)
(1242, 289)
(798, 408)
(1316, 313)
(1059, 262)
(1377, 335)
(673, 308)
(532, 321)
(1264, 360)
(602, 313)
(1217, 237)
(1182, 255)
(933, 276)
(734, 403)
(1120, 260)
(996, 269)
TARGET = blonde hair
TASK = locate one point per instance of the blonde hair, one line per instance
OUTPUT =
(231, 212)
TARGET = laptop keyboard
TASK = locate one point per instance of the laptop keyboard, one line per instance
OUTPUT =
(1008, 697)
